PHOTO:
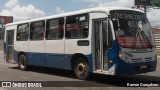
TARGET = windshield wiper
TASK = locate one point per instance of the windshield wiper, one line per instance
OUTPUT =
(145, 37)
(141, 34)
(135, 39)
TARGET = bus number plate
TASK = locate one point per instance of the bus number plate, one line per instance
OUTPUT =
(143, 66)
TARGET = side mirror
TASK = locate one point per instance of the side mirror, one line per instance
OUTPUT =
(119, 33)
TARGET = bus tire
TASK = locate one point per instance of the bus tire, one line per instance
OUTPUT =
(22, 62)
(81, 69)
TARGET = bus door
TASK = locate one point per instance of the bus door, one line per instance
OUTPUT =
(100, 41)
(10, 46)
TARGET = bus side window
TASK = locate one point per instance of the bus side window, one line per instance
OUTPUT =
(110, 36)
(37, 30)
(77, 26)
(42, 36)
(22, 32)
(54, 29)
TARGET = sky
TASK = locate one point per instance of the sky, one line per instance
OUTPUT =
(28, 9)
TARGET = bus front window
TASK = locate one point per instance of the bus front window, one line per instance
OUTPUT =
(132, 32)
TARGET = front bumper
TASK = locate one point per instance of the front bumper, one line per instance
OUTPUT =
(124, 68)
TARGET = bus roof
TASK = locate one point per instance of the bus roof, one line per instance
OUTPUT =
(96, 9)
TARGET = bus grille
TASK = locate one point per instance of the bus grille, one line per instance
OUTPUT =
(138, 60)
(148, 59)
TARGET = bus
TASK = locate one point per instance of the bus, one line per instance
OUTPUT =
(102, 40)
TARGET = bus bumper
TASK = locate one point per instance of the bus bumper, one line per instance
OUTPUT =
(124, 68)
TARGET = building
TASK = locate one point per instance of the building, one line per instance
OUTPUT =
(1, 37)
(156, 33)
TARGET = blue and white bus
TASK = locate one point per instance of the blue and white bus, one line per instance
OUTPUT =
(104, 40)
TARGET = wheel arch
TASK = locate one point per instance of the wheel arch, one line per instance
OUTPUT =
(22, 63)
(20, 53)
(75, 57)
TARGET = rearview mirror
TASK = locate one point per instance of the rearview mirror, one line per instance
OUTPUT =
(119, 33)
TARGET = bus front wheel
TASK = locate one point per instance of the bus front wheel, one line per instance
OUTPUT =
(22, 62)
(81, 69)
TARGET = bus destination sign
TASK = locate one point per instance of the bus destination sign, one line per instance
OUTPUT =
(126, 15)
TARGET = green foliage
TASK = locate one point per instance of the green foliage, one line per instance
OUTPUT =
(155, 3)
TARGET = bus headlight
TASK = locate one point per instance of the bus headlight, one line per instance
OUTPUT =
(122, 56)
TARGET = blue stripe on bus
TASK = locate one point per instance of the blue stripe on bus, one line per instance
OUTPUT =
(57, 61)
(60, 61)
(113, 54)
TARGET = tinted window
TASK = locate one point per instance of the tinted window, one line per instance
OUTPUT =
(37, 30)
(77, 26)
(22, 32)
(104, 30)
(110, 36)
(54, 29)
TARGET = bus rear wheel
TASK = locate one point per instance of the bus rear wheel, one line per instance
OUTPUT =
(81, 69)
(22, 62)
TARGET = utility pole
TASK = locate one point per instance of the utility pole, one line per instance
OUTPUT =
(1, 31)
(145, 10)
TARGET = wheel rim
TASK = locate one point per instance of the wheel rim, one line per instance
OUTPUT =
(82, 70)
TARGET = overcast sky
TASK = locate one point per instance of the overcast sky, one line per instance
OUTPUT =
(28, 9)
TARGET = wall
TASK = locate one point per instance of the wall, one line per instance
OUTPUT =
(1, 45)
(156, 33)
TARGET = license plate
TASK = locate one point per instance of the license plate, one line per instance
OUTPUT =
(143, 66)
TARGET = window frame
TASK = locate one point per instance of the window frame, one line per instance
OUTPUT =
(86, 21)
(44, 24)
(23, 32)
(47, 24)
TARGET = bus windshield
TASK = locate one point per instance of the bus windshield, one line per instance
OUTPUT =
(132, 29)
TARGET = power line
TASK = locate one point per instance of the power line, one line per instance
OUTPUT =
(155, 21)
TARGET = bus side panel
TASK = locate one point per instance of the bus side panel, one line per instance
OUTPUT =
(54, 50)
(71, 48)
(36, 53)
(20, 46)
